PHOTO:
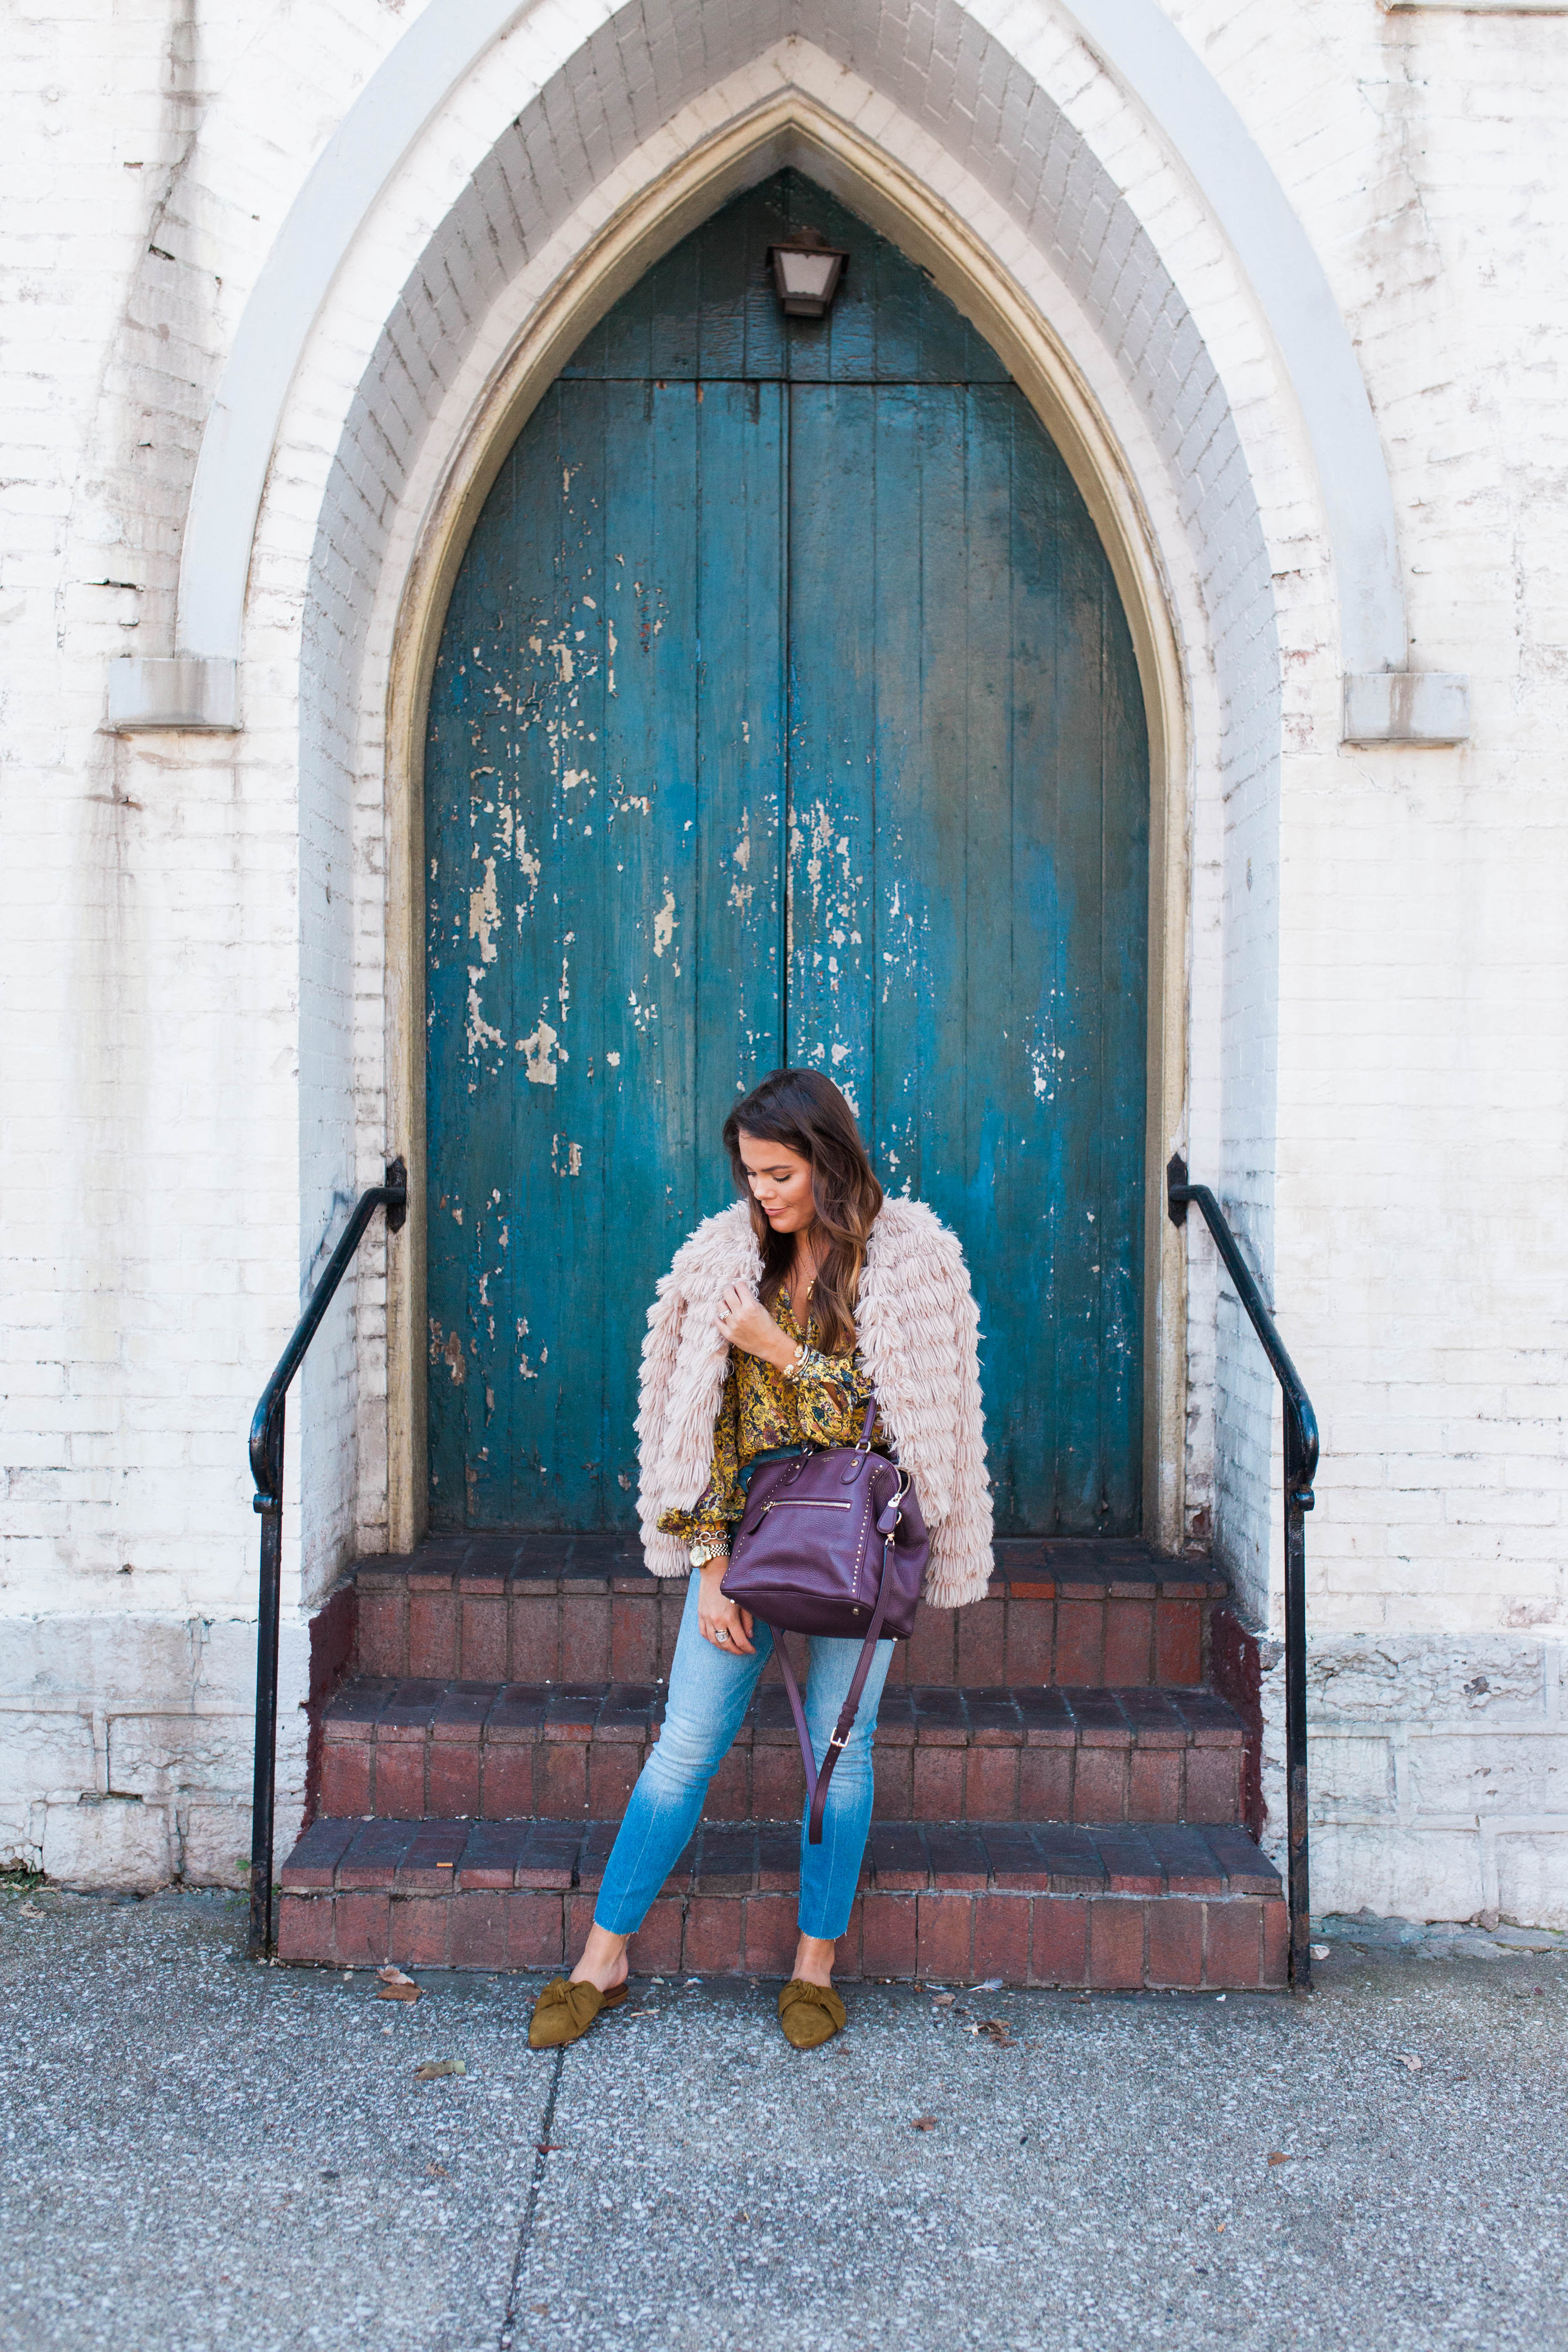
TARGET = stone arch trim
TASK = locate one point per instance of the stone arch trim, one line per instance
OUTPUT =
(1002, 119)
(513, 239)
(453, 287)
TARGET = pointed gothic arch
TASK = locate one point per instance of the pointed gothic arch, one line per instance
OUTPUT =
(380, 659)
(789, 131)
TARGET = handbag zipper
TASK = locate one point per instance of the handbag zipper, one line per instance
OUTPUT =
(806, 1503)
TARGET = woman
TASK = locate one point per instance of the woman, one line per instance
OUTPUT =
(778, 1320)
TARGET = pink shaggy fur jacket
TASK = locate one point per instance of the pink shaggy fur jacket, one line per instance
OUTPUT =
(915, 1321)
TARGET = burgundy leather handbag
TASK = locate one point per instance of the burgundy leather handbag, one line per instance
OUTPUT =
(832, 1543)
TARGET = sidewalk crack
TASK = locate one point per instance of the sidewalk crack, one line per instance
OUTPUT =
(507, 2336)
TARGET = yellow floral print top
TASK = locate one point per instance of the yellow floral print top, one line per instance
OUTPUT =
(760, 1410)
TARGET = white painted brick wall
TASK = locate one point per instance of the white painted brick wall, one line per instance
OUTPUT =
(152, 1197)
(194, 931)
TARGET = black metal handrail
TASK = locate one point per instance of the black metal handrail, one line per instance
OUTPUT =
(266, 1469)
(1301, 1446)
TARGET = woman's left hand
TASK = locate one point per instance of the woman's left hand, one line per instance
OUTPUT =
(748, 1326)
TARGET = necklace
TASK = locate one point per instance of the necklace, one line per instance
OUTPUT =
(800, 1297)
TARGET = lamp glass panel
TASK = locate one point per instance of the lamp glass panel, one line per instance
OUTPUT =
(808, 277)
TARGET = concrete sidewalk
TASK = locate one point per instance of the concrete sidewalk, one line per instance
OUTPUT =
(197, 2152)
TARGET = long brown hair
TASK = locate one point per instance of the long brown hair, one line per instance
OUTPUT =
(804, 1111)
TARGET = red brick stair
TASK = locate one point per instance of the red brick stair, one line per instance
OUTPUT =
(583, 1609)
(485, 1751)
(1060, 1796)
(1035, 1903)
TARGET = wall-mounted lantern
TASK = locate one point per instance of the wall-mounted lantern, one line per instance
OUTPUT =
(806, 274)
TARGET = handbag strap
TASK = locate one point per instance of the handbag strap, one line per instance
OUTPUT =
(817, 1781)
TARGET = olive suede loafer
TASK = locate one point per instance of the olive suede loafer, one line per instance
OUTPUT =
(809, 2014)
(563, 2012)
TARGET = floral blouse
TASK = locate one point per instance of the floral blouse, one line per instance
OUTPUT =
(823, 1404)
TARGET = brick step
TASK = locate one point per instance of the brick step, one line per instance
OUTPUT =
(420, 1749)
(1042, 1903)
(580, 1608)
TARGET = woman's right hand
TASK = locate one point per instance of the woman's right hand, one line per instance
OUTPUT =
(720, 1619)
(748, 1324)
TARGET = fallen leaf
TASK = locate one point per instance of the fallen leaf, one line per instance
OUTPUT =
(1277, 2158)
(1218, 2226)
(396, 1986)
(1409, 2058)
(923, 2123)
(438, 2172)
(942, 2000)
(997, 2030)
(434, 2068)
(539, 2310)
(549, 2147)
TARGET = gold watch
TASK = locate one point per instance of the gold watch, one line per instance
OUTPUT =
(702, 1553)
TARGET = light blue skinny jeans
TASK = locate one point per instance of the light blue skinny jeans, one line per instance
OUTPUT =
(709, 1694)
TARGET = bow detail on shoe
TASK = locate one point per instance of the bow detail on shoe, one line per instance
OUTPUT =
(563, 2012)
(809, 2014)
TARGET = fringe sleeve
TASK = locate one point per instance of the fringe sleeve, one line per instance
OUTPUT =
(666, 1554)
(918, 1325)
(961, 1563)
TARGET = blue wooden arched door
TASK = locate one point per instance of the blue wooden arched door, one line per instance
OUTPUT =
(785, 710)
